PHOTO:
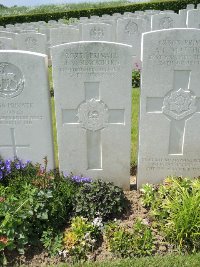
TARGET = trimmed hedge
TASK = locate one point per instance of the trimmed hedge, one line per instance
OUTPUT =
(175, 5)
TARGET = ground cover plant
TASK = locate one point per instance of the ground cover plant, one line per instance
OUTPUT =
(36, 205)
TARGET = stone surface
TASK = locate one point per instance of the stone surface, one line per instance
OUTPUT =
(169, 140)
(92, 83)
(129, 31)
(167, 21)
(25, 120)
(31, 41)
(193, 19)
(96, 32)
(63, 35)
(6, 43)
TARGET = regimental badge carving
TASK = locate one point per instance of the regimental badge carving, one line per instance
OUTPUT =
(179, 104)
(11, 80)
(31, 42)
(166, 23)
(96, 33)
(2, 45)
(131, 28)
(93, 115)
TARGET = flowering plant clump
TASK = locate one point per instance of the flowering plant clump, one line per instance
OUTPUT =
(81, 179)
(81, 238)
(7, 167)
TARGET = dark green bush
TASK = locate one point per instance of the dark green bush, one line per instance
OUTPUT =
(172, 5)
(100, 199)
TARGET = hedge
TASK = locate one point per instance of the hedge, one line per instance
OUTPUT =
(171, 5)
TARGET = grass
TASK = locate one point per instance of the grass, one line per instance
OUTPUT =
(134, 127)
(171, 260)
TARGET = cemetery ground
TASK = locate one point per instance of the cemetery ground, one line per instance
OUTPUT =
(52, 223)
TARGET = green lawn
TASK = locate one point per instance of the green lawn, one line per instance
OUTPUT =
(156, 261)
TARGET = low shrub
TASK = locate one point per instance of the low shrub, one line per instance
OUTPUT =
(100, 198)
(175, 208)
(81, 238)
(129, 243)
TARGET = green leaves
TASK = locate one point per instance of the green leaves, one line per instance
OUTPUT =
(175, 208)
(99, 198)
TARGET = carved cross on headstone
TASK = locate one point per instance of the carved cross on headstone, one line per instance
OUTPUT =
(93, 115)
(13, 144)
(178, 106)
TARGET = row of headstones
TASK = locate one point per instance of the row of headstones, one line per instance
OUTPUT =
(92, 83)
(127, 28)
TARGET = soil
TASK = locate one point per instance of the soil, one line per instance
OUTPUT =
(38, 258)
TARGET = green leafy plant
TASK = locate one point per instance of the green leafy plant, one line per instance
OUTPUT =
(148, 195)
(175, 208)
(128, 243)
(100, 198)
(52, 241)
(136, 78)
(81, 238)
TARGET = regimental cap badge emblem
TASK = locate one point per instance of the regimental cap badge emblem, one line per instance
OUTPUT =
(131, 28)
(97, 33)
(179, 104)
(93, 115)
(166, 23)
(11, 80)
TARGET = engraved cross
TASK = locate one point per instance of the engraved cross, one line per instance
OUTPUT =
(178, 106)
(13, 144)
(93, 115)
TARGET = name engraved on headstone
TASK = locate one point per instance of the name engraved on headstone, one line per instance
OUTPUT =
(102, 63)
(176, 52)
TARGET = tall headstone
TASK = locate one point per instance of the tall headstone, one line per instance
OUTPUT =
(25, 113)
(169, 140)
(92, 83)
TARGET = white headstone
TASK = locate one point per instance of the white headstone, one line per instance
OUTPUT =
(97, 32)
(169, 140)
(6, 43)
(167, 21)
(25, 113)
(193, 19)
(92, 83)
(190, 6)
(129, 31)
(30, 41)
(63, 35)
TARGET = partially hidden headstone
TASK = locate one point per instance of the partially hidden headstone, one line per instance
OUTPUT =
(25, 113)
(31, 41)
(169, 140)
(96, 32)
(92, 83)
(6, 43)
(129, 31)
(167, 21)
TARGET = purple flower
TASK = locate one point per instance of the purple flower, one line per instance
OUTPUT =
(80, 179)
(1, 175)
(18, 165)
